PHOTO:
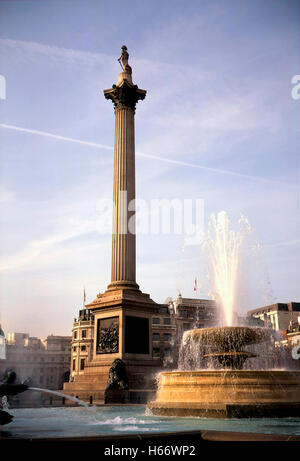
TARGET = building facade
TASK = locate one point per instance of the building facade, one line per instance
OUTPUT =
(82, 342)
(164, 330)
(293, 333)
(277, 316)
(193, 312)
(45, 362)
(189, 313)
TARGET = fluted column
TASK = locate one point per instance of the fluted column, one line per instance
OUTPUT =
(123, 239)
(124, 95)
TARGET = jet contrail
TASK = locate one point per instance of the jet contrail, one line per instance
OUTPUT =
(56, 136)
(140, 154)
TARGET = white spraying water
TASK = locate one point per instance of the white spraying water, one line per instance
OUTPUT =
(224, 247)
(4, 403)
(60, 394)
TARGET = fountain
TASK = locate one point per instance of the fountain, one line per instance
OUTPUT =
(230, 391)
(224, 387)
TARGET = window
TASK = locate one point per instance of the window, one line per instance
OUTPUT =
(186, 326)
(155, 320)
(83, 334)
(155, 337)
(74, 348)
(167, 321)
(74, 365)
(75, 334)
(83, 348)
(156, 352)
(167, 352)
(163, 310)
(167, 337)
(82, 362)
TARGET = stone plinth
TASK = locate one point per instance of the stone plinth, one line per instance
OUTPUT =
(126, 315)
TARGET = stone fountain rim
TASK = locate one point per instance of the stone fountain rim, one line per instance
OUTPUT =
(229, 372)
(232, 328)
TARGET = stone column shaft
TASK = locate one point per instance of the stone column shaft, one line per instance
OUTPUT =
(124, 95)
(123, 239)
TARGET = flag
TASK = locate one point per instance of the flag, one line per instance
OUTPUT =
(84, 295)
(195, 284)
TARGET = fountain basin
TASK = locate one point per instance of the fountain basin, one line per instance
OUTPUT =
(228, 393)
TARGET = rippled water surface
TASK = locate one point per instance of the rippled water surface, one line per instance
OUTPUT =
(113, 420)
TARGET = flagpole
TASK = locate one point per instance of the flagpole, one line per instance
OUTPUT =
(84, 297)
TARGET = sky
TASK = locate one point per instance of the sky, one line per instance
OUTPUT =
(218, 124)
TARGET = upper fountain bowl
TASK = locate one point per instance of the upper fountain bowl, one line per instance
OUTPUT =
(229, 338)
(226, 343)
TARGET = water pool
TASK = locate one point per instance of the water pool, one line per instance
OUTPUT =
(34, 423)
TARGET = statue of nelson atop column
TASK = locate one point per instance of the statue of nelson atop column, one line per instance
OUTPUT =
(123, 60)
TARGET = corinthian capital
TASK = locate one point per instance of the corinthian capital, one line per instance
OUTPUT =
(125, 95)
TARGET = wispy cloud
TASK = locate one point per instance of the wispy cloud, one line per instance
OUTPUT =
(5, 195)
(37, 248)
(54, 51)
(145, 155)
(286, 243)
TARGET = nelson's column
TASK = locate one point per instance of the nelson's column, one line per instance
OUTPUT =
(122, 315)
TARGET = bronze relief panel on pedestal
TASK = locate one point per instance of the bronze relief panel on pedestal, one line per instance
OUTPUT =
(107, 335)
